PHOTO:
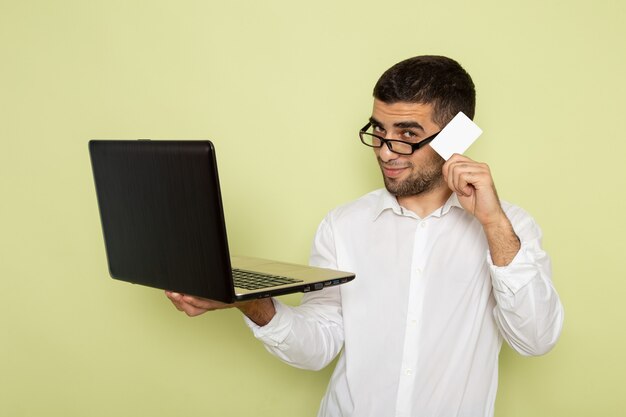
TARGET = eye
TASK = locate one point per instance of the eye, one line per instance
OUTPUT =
(407, 134)
(378, 129)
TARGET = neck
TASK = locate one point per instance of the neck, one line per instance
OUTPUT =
(425, 203)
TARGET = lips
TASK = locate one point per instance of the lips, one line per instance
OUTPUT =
(393, 171)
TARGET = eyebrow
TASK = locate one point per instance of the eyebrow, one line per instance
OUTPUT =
(401, 125)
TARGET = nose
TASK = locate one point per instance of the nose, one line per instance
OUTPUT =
(385, 154)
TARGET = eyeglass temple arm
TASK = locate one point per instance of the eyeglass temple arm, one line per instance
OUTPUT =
(424, 142)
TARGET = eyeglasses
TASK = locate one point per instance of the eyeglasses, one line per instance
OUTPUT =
(396, 146)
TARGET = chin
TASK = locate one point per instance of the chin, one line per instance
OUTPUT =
(408, 188)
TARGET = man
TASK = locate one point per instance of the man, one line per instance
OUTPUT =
(444, 270)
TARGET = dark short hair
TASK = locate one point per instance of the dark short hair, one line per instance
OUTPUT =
(429, 79)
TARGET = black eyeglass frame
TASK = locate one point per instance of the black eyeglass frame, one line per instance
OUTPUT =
(389, 142)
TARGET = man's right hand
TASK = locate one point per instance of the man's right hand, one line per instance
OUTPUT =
(260, 311)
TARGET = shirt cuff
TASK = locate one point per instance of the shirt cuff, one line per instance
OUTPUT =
(275, 332)
(514, 276)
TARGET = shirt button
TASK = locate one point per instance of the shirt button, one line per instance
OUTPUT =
(413, 322)
(418, 271)
(408, 372)
(423, 224)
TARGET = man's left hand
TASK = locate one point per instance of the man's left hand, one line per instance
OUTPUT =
(474, 187)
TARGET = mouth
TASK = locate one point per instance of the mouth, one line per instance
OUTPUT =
(393, 171)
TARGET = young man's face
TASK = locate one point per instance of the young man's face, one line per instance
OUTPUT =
(407, 175)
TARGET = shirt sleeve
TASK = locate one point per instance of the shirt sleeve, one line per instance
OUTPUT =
(528, 310)
(310, 335)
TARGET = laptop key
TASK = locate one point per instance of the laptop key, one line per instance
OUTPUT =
(254, 280)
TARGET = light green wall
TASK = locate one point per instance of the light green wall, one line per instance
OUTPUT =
(281, 87)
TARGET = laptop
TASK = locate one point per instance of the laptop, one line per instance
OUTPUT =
(163, 224)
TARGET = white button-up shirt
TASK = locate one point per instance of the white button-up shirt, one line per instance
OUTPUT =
(422, 324)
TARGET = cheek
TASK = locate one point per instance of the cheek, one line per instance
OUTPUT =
(415, 160)
(424, 156)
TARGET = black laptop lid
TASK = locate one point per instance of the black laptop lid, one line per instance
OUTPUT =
(162, 215)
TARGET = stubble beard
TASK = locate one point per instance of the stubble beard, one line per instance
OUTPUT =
(422, 181)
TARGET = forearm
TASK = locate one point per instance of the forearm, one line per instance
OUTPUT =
(528, 311)
(502, 240)
(311, 335)
(308, 336)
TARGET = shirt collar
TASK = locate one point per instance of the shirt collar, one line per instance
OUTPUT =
(453, 201)
(387, 201)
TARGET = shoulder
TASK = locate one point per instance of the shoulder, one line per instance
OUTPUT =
(361, 208)
(348, 221)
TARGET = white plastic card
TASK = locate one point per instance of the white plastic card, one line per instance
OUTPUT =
(456, 136)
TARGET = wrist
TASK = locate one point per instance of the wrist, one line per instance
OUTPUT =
(260, 311)
(497, 222)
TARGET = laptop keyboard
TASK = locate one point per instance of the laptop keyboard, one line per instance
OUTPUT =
(254, 280)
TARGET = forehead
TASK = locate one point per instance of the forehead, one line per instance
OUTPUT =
(402, 111)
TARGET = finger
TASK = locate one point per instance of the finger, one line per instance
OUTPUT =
(177, 305)
(194, 306)
(456, 169)
(172, 295)
(478, 177)
(203, 303)
(448, 164)
(175, 298)
(458, 183)
(191, 310)
(467, 174)
(447, 172)
(465, 183)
